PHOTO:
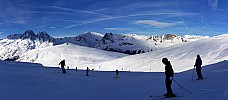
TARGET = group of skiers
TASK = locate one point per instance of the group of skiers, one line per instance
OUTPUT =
(169, 74)
(62, 64)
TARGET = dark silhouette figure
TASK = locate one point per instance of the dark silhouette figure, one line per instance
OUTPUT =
(76, 69)
(198, 65)
(87, 71)
(117, 73)
(62, 63)
(169, 75)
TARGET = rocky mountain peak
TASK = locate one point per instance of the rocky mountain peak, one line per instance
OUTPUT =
(29, 34)
(43, 36)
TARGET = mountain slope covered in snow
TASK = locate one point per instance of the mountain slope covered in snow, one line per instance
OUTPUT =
(75, 56)
(136, 44)
(15, 45)
(182, 56)
(88, 39)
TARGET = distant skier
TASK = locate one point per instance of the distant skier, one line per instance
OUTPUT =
(62, 63)
(198, 65)
(117, 73)
(87, 71)
(169, 76)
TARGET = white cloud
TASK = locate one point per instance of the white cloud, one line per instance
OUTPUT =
(213, 4)
(99, 10)
(75, 10)
(117, 29)
(20, 22)
(52, 27)
(180, 22)
(155, 23)
(108, 17)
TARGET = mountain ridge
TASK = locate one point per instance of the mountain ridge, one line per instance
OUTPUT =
(15, 45)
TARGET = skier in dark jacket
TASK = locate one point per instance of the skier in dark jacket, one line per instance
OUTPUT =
(169, 75)
(62, 63)
(198, 65)
(117, 73)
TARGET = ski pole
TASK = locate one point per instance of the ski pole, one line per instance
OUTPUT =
(193, 72)
(181, 86)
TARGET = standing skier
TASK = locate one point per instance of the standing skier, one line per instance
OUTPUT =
(87, 71)
(62, 63)
(117, 73)
(198, 64)
(169, 75)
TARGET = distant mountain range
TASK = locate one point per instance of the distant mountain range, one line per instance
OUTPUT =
(17, 44)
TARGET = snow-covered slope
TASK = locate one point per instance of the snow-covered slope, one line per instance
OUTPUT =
(135, 44)
(25, 81)
(13, 48)
(182, 56)
(75, 56)
(15, 45)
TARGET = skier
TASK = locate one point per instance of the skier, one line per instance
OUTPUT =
(117, 73)
(198, 64)
(87, 71)
(169, 76)
(62, 63)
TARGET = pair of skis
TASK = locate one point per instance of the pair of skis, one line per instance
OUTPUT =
(158, 97)
(199, 79)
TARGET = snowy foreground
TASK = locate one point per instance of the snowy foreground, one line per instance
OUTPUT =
(26, 81)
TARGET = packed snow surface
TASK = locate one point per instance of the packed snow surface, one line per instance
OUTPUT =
(26, 81)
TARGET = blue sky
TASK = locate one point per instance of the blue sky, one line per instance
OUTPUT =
(144, 17)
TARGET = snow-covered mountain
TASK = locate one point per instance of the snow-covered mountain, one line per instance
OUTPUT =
(182, 56)
(88, 39)
(43, 36)
(75, 56)
(135, 44)
(14, 36)
(17, 44)
(29, 34)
